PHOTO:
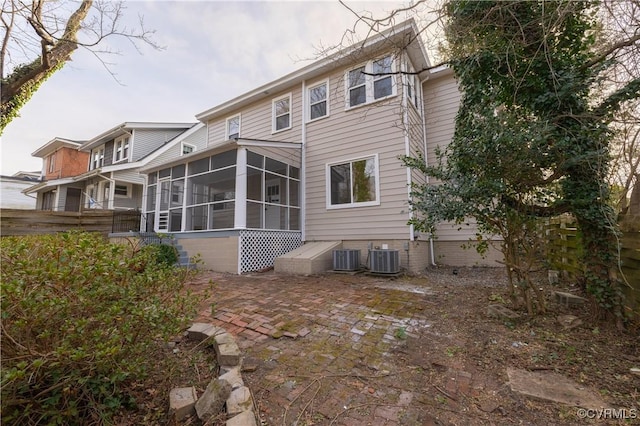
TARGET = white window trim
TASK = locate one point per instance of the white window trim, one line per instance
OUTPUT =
(100, 163)
(368, 84)
(238, 116)
(129, 190)
(121, 140)
(183, 144)
(330, 206)
(52, 162)
(308, 99)
(273, 114)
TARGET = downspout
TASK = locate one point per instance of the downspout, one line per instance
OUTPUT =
(425, 147)
(303, 167)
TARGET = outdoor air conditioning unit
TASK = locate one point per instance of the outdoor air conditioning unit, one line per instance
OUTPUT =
(346, 260)
(384, 261)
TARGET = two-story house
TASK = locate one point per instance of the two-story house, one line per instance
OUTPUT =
(112, 180)
(102, 173)
(61, 161)
(312, 158)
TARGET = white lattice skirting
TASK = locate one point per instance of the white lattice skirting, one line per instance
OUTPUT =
(259, 249)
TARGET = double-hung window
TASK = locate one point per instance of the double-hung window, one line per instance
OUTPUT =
(233, 127)
(282, 113)
(357, 87)
(97, 160)
(382, 79)
(121, 149)
(317, 101)
(370, 82)
(353, 183)
(52, 162)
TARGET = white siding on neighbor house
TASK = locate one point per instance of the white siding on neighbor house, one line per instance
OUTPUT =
(146, 141)
(373, 129)
(11, 196)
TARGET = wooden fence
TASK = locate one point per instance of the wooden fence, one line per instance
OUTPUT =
(565, 250)
(29, 222)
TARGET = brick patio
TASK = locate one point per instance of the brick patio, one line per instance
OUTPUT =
(324, 352)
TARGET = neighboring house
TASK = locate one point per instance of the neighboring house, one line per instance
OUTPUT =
(61, 161)
(11, 187)
(313, 158)
(112, 180)
(102, 173)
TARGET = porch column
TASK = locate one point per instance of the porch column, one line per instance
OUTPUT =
(240, 215)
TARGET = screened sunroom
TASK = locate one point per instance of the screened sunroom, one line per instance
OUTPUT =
(243, 196)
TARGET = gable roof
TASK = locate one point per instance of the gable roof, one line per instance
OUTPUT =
(404, 35)
(124, 128)
(55, 144)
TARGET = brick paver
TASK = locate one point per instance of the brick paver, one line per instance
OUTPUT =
(327, 347)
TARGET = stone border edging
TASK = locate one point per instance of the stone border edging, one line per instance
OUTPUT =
(227, 390)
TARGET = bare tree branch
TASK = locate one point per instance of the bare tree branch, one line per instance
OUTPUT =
(41, 32)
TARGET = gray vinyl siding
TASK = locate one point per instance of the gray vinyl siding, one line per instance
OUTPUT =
(62, 198)
(351, 134)
(133, 202)
(130, 176)
(197, 139)
(146, 141)
(108, 154)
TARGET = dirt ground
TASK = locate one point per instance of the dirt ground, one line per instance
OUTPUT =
(438, 360)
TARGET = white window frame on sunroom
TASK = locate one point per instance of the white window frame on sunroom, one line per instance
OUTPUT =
(369, 82)
(274, 117)
(328, 166)
(227, 129)
(324, 83)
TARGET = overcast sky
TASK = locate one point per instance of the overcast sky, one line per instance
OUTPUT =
(214, 51)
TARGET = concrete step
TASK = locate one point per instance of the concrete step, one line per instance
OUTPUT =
(311, 258)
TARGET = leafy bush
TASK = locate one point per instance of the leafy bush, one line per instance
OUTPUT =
(163, 254)
(79, 317)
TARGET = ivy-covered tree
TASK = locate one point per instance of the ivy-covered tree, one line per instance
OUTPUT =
(40, 36)
(532, 134)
